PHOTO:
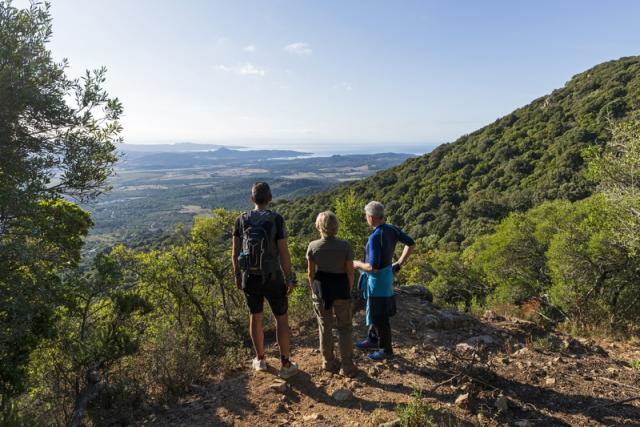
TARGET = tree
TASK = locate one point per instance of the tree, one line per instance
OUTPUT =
(513, 258)
(57, 140)
(353, 227)
(616, 167)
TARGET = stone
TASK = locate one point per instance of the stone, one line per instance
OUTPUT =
(279, 386)
(550, 381)
(523, 350)
(312, 417)
(394, 423)
(523, 423)
(462, 400)
(502, 403)
(482, 339)
(431, 321)
(342, 395)
(463, 347)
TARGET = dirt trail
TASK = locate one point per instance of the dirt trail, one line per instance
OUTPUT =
(546, 379)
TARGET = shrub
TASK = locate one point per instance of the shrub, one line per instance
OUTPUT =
(416, 413)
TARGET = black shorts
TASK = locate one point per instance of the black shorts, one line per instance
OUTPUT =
(275, 291)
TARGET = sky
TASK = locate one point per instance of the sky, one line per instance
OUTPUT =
(304, 73)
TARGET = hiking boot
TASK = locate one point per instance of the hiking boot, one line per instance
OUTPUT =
(379, 355)
(259, 364)
(367, 344)
(288, 371)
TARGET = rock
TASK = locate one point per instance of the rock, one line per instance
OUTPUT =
(523, 350)
(415, 290)
(431, 321)
(502, 403)
(279, 386)
(394, 423)
(482, 339)
(523, 423)
(342, 395)
(462, 400)
(463, 347)
(450, 319)
(312, 417)
(550, 381)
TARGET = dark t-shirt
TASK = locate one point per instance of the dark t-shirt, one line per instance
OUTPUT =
(256, 216)
(382, 244)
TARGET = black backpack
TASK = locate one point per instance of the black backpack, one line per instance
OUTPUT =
(259, 250)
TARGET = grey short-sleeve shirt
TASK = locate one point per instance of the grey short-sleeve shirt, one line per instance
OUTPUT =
(330, 254)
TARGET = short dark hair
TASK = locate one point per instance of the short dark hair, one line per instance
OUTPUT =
(261, 193)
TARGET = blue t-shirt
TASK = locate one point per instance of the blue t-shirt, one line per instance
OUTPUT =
(382, 244)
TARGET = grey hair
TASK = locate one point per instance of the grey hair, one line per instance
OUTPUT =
(375, 209)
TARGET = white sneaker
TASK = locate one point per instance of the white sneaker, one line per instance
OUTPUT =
(259, 364)
(288, 371)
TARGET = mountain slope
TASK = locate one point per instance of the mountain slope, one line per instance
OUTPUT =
(462, 189)
(547, 378)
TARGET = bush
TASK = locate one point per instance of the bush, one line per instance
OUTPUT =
(416, 413)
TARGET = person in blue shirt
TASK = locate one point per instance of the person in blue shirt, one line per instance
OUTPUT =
(376, 281)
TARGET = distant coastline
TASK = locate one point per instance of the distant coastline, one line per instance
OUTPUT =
(310, 148)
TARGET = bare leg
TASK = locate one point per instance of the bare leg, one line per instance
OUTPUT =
(257, 333)
(282, 334)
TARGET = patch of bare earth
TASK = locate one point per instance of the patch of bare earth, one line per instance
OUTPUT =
(492, 371)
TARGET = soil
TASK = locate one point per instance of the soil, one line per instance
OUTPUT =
(489, 371)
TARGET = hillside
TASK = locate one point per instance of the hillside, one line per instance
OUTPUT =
(460, 364)
(462, 189)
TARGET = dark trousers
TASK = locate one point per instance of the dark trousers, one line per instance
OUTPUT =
(380, 331)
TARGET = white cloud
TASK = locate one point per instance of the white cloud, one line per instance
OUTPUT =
(346, 86)
(249, 48)
(250, 69)
(298, 48)
(246, 69)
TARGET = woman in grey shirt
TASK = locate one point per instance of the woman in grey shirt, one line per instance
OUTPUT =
(330, 270)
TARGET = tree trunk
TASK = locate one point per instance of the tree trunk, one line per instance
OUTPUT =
(90, 391)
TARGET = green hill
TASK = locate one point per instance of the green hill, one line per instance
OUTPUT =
(464, 188)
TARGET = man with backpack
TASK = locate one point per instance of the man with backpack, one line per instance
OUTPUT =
(377, 279)
(262, 267)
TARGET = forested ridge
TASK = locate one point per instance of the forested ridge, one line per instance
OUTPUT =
(463, 189)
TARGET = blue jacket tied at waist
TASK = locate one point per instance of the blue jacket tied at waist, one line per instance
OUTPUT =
(377, 288)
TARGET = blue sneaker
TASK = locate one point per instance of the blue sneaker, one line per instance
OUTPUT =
(367, 344)
(379, 355)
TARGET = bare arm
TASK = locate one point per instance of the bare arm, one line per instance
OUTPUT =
(311, 273)
(348, 265)
(285, 259)
(365, 266)
(235, 251)
(406, 252)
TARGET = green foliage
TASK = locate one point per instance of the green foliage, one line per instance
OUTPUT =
(463, 189)
(512, 259)
(353, 227)
(562, 255)
(593, 276)
(455, 281)
(635, 364)
(48, 149)
(417, 413)
(617, 169)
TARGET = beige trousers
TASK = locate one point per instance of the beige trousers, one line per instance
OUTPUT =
(339, 315)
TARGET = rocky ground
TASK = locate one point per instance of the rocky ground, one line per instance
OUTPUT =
(489, 371)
